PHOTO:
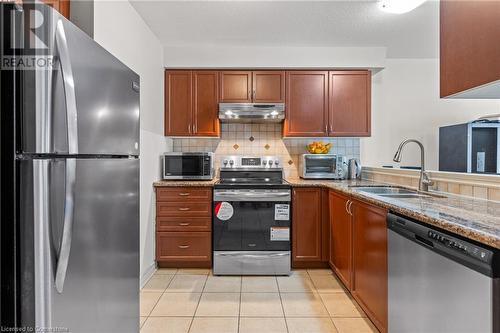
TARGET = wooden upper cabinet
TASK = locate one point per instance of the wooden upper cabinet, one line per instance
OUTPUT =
(191, 103)
(341, 238)
(470, 49)
(256, 87)
(62, 6)
(236, 87)
(370, 261)
(268, 86)
(306, 224)
(178, 103)
(350, 103)
(205, 103)
(306, 104)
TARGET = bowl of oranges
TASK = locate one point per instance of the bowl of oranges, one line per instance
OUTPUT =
(319, 147)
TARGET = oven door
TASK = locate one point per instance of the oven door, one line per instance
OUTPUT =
(184, 166)
(251, 231)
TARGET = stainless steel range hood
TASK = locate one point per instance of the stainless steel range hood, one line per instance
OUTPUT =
(251, 112)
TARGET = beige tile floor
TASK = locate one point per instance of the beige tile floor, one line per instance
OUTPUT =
(195, 301)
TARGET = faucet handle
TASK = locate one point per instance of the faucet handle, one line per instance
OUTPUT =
(426, 180)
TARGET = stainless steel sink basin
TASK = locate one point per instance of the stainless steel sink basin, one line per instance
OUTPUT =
(394, 192)
(384, 190)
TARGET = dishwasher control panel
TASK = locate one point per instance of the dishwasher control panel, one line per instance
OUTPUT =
(459, 245)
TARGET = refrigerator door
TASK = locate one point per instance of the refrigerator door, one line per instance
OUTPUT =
(87, 103)
(81, 223)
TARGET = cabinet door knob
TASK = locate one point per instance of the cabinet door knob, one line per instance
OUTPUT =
(184, 208)
(184, 246)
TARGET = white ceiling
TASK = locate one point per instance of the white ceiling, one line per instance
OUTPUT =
(294, 23)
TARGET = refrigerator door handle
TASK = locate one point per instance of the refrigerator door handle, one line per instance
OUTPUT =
(61, 45)
(69, 207)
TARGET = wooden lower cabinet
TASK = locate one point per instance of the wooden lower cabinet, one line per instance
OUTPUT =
(340, 259)
(369, 286)
(183, 247)
(306, 224)
(184, 227)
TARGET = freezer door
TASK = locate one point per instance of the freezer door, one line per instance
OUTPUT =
(87, 103)
(81, 221)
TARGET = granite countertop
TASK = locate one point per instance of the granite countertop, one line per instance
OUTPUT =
(183, 183)
(471, 218)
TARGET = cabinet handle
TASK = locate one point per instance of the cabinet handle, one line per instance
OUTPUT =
(184, 246)
(184, 194)
(250, 94)
(184, 208)
(347, 203)
(184, 224)
(350, 211)
(253, 97)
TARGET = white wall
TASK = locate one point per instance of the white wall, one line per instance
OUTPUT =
(406, 104)
(120, 29)
(274, 57)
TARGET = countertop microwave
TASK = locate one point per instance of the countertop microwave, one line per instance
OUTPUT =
(188, 166)
(322, 166)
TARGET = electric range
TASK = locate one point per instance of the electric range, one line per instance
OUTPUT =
(252, 217)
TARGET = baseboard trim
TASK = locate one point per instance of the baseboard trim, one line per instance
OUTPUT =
(148, 273)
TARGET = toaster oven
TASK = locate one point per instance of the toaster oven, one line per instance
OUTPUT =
(322, 166)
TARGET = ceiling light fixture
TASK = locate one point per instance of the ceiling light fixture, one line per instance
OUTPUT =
(399, 6)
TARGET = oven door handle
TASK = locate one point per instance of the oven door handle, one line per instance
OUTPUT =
(252, 196)
(254, 256)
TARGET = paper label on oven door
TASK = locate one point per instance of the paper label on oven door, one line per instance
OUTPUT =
(282, 212)
(224, 211)
(280, 233)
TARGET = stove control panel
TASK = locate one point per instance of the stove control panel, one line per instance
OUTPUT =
(245, 162)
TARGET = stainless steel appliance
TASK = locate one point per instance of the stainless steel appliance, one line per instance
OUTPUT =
(354, 169)
(472, 147)
(439, 282)
(197, 166)
(323, 166)
(251, 112)
(252, 218)
(70, 180)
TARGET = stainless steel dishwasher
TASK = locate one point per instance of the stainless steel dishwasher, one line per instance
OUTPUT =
(439, 282)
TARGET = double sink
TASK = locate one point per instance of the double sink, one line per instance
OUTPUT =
(393, 192)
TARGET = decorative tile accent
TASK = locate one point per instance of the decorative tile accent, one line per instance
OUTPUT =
(290, 162)
(263, 139)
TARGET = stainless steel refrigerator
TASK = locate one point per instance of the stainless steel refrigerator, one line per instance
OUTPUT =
(69, 177)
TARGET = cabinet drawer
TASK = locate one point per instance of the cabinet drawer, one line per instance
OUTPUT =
(184, 209)
(183, 224)
(183, 194)
(183, 246)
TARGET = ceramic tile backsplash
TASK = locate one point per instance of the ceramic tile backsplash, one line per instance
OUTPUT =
(263, 139)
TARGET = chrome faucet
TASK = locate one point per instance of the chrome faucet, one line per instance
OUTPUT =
(424, 181)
